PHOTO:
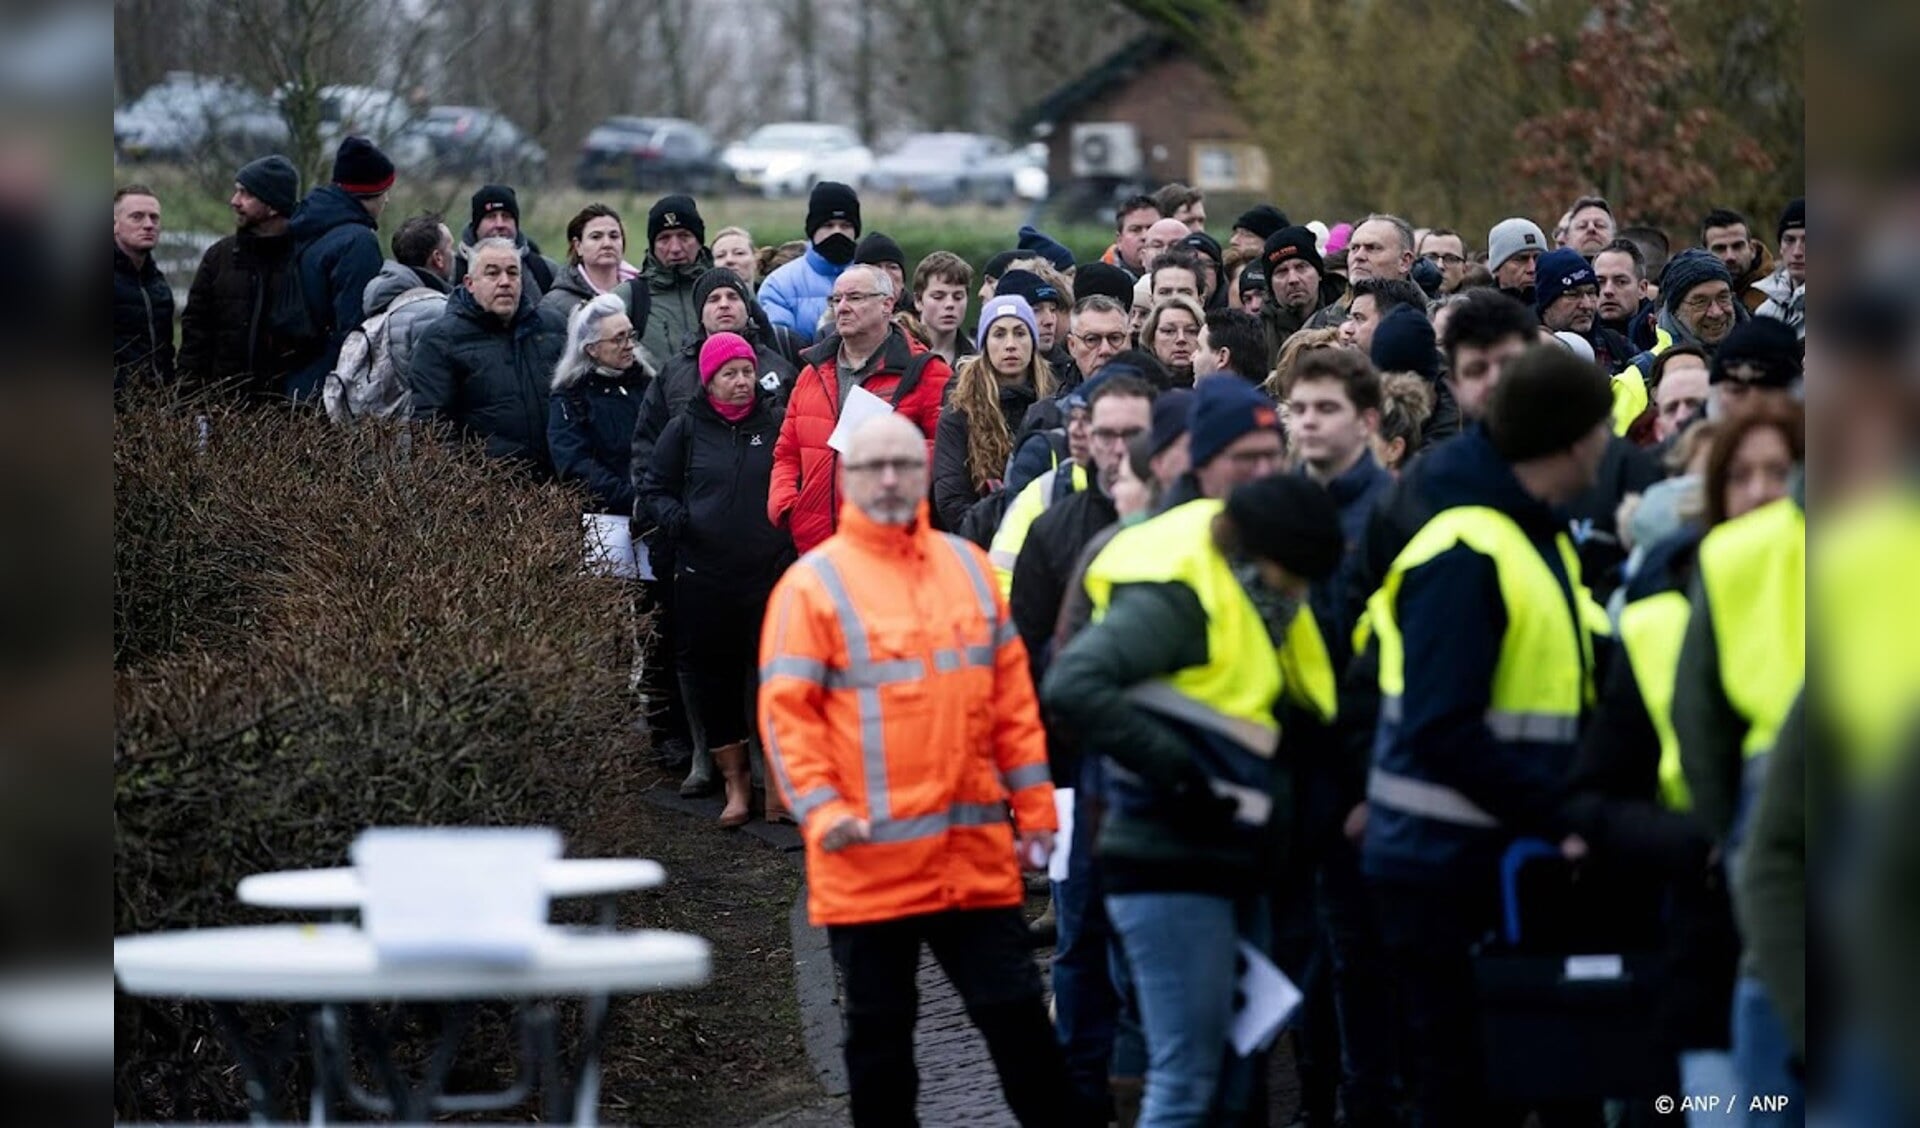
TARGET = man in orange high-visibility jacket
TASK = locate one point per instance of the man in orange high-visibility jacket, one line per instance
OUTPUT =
(900, 720)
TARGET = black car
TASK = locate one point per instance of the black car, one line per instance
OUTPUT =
(652, 154)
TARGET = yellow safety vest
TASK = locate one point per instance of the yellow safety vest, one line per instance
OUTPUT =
(1652, 631)
(1754, 570)
(1018, 521)
(1869, 639)
(1245, 674)
(1544, 677)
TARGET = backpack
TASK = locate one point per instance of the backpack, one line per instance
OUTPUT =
(291, 314)
(365, 383)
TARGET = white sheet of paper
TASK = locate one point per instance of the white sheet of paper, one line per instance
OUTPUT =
(1268, 999)
(861, 406)
(1062, 838)
(435, 894)
(611, 549)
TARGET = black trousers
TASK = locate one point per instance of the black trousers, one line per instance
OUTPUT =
(984, 954)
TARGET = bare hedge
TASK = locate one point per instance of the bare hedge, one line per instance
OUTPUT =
(319, 630)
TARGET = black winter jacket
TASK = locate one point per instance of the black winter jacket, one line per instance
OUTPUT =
(142, 321)
(953, 488)
(226, 339)
(679, 385)
(706, 489)
(490, 378)
(1046, 564)
(337, 253)
(590, 431)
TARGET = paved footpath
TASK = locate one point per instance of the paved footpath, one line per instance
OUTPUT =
(958, 1085)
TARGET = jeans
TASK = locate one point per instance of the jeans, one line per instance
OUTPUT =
(984, 953)
(1761, 1053)
(1182, 951)
(1704, 1072)
(1085, 1004)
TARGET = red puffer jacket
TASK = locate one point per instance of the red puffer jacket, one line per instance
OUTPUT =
(805, 494)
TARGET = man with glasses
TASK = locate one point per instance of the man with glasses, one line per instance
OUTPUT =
(1233, 437)
(865, 350)
(1444, 248)
(901, 724)
(1697, 307)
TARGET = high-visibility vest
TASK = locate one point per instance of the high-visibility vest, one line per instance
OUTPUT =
(1038, 496)
(1232, 696)
(1542, 681)
(1868, 640)
(1652, 631)
(1754, 571)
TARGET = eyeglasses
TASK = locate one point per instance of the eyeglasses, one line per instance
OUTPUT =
(900, 466)
(1109, 435)
(1095, 340)
(1444, 258)
(1707, 301)
(834, 301)
(627, 338)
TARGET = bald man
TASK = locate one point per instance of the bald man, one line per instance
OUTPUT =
(1163, 234)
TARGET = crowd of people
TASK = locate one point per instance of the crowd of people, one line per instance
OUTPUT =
(1323, 565)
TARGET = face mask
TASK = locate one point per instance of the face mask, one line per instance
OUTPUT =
(836, 248)
(1276, 608)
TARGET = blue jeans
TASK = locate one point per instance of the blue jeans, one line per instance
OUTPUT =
(1182, 951)
(1085, 1006)
(1761, 1053)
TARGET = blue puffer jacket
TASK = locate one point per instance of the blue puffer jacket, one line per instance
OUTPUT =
(337, 254)
(1453, 620)
(796, 294)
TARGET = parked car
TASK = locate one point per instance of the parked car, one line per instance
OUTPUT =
(654, 154)
(946, 168)
(366, 111)
(787, 158)
(1029, 165)
(193, 115)
(468, 142)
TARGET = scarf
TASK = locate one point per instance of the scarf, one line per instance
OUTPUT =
(731, 412)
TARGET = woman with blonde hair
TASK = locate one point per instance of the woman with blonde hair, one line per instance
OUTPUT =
(1406, 399)
(1171, 333)
(1279, 384)
(986, 400)
(733, 249)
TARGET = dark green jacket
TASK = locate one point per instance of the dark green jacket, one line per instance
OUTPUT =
(671, 316)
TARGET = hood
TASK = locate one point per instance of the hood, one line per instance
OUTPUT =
(1468, 471)
(460, 303)
(1763, 265)
(570, 281)
(1777, 286)
(325, 208)
(394, 280)
(660, 276)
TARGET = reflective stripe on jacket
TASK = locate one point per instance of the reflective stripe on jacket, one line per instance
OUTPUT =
(1542, 682)
(894, 688)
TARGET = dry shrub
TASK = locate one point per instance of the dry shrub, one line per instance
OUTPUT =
(316, 631)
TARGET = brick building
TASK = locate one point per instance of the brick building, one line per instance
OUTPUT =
(1147, 114)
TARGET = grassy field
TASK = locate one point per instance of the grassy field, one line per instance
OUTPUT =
(973, 232)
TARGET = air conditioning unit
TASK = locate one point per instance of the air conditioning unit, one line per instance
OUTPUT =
(1106, 148)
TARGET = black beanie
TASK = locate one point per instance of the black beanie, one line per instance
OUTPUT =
(878, 248)
(1028, 285)
(1765, 343)
(495, 198)
(1253, 279)
(1291, 520)
(675, 213)
(1203, 244)
(361, 168)
(1547, 400)
(1403, 342)
(1092, 278)
(1289, 243)
(1794, 216)
(832, 200)
(273, 181)
(714, 279)
(1263, 220)
(997, 265)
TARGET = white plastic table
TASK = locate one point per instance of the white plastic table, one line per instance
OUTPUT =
(331, 967)
(339, 889)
